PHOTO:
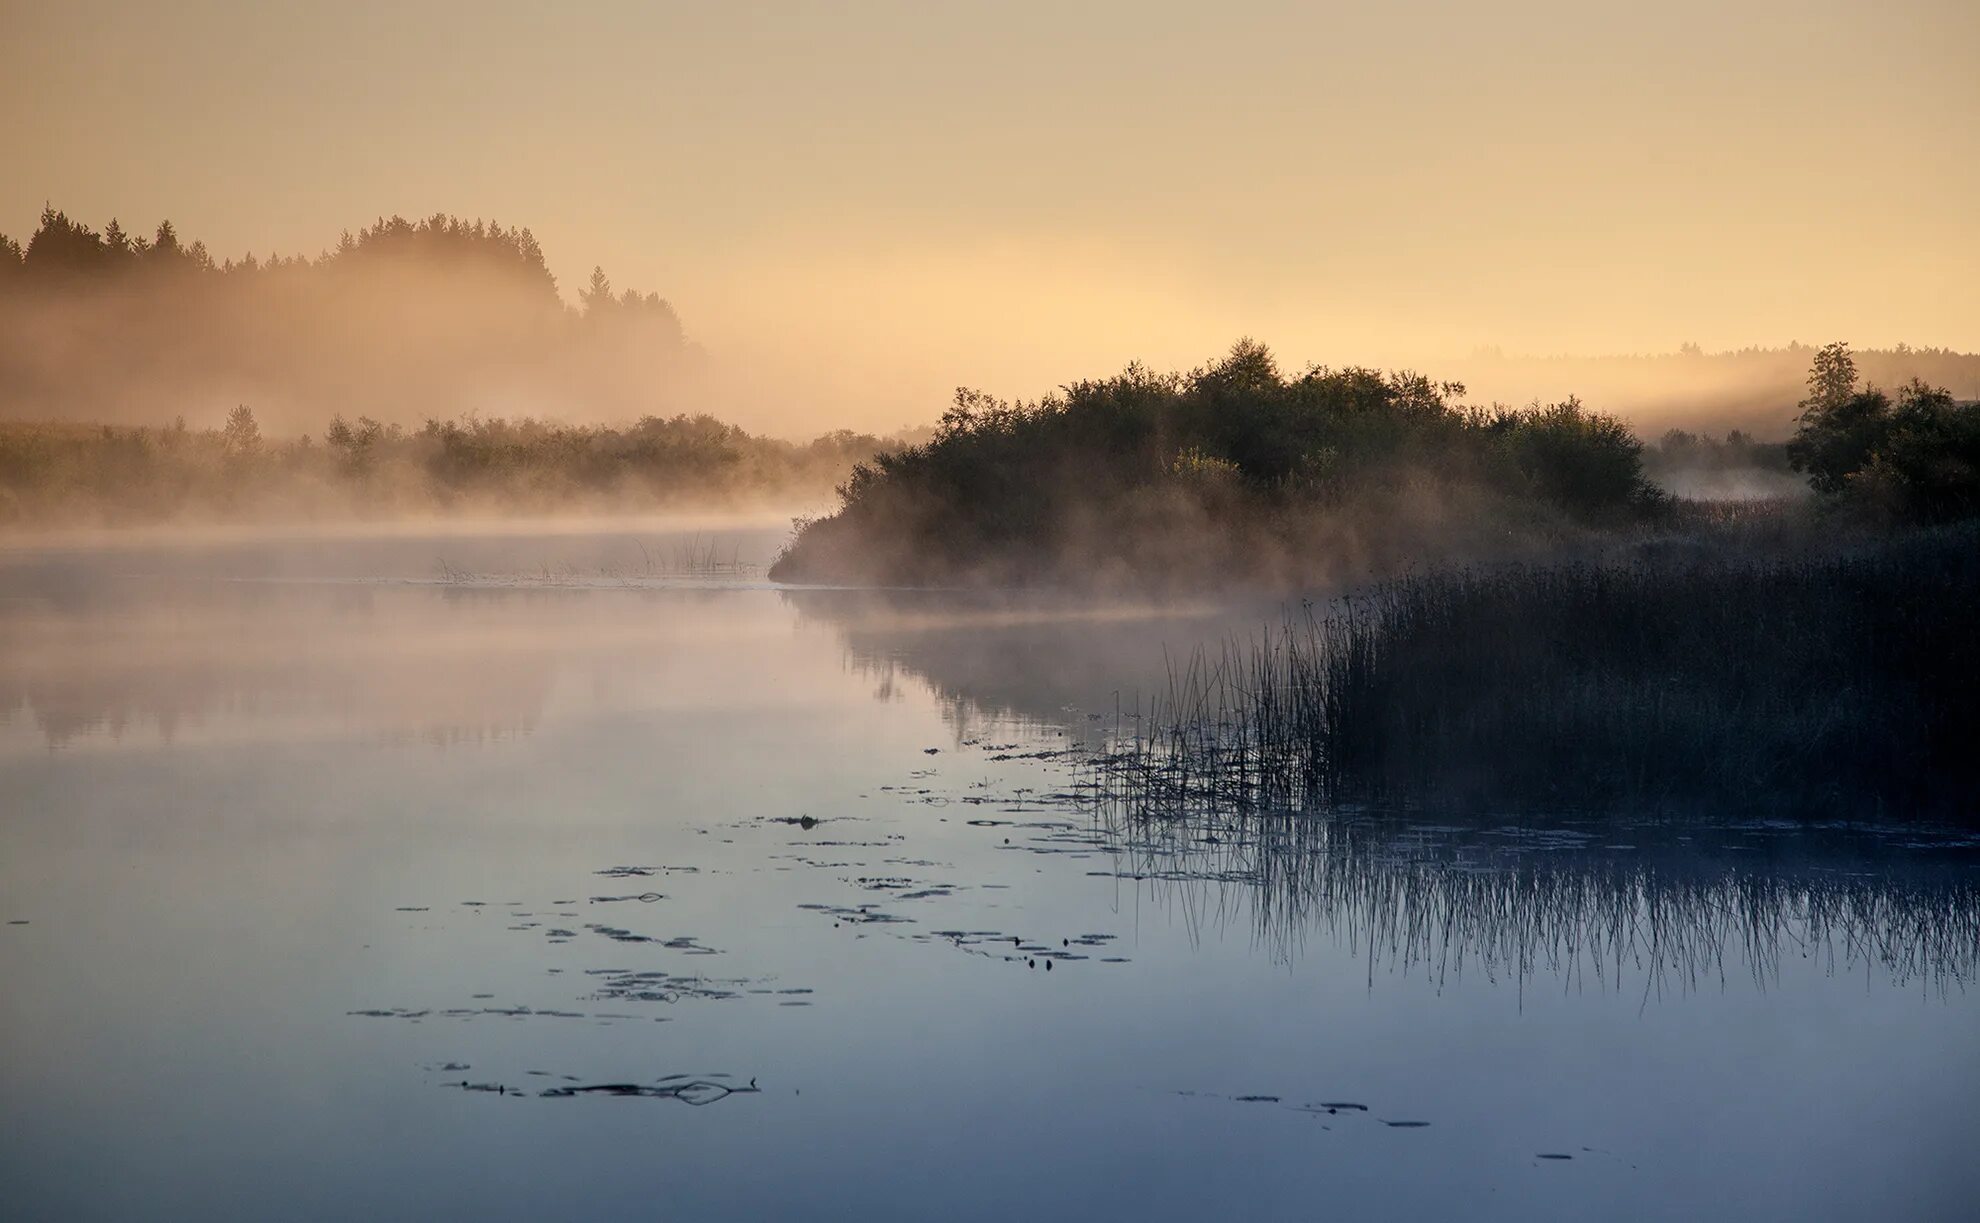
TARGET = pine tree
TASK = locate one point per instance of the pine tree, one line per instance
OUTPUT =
(597, 298)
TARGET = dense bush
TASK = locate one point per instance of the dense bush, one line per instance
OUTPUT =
(1144, 475)
(1915, 457)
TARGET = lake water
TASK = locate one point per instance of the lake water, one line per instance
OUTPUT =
(519, 876)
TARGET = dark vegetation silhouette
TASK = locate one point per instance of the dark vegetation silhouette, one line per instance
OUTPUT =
(1727, 686)
(1818, 662)
(1811, 658)
(1233, 470)
(1236, 472)
(1912, 457)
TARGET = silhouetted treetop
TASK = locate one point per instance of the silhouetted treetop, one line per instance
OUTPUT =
(445, 243)
(63, 252)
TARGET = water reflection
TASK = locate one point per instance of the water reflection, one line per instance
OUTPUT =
(692, 854)
(1659, 908)
(1054, 663)
(136, 660)
(145, 662)
(1504, 896)
(251, 641)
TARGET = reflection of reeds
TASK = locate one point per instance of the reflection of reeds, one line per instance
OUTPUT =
(695, 557)
(1833, 686)
(1516, 904)
(1620, 696)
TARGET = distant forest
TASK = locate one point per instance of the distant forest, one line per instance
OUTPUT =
(1753, 389)
(73, 475)
(401, 320)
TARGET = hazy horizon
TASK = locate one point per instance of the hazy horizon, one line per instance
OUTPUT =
(857, 211)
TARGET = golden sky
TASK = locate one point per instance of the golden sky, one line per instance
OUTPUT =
(877, 199)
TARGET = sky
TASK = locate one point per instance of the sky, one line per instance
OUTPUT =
(859, 206)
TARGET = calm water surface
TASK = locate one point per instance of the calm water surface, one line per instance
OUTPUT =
(572, 889)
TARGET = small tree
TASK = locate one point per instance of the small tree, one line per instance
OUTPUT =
(1840, 427)
(1834, 443)
(1831, 379)
(597, 296)
(242, 435)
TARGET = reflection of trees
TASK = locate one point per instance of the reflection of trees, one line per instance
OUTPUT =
(1010, 657)
(1610, 906)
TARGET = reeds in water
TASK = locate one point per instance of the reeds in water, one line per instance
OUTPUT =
(1667, 912)
(1839, 686)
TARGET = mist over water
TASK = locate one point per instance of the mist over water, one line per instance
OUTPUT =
(311, 834)
(989, 612)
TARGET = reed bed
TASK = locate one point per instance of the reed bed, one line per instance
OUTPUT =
(1838, 686)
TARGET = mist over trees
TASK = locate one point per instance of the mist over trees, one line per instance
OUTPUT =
(401, 320)
(1233, 471)
(444, 369)
(63, 475)
(1236, 471)
(1752, 389)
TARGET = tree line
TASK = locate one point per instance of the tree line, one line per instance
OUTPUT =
(66, 254)
(361, 467)
(401, 318)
